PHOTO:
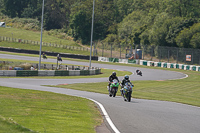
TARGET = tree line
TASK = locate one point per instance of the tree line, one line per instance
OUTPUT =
(173, 23)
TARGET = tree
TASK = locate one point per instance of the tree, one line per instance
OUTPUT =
(187, 35)
(14, 8)
(81, 27)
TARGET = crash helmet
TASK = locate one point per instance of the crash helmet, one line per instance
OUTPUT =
(126, 77)
(114, 74)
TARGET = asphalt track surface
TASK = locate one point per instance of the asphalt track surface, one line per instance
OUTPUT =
(137, 116)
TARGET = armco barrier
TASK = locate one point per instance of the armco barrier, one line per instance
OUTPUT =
(177, 66)
(23, 73)
(193, 68)
(26, 73)
(104, 59)
(74, 73)
(84, 72)
(142, 62)
(113, 60)
(8, 73)
(150, 63)
(97, 71)
(171, 65)
(126, 61)
(46, 73)
(92, 72)
(61, 73)
(198, 68)
(131, 61)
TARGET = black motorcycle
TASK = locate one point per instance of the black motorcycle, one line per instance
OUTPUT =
(139, 72)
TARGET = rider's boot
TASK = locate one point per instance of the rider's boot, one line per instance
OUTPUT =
(108, 88)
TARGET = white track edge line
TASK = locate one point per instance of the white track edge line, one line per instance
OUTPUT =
(104, 113)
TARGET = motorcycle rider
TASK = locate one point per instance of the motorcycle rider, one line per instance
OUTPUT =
(139, 72)
(59, 57)
(44, 56)
(111, 78)
(124, 81)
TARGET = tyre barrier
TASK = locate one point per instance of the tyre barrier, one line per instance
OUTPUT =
(170, 65)
(27, 73)
(126, 61)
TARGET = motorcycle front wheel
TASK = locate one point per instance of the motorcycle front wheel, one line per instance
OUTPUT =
(129, 96)
(114, 93)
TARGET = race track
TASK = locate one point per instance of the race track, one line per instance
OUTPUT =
(138, 116)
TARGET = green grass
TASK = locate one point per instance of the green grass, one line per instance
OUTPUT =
(25, 110)
(44, 48)
(182, 90)
(34, 36)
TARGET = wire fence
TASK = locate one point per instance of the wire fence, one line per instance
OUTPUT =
(153, 53)
(146, 52)
(171, 54)
(16, 40)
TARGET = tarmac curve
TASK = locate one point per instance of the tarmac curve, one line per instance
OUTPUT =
(138, 116)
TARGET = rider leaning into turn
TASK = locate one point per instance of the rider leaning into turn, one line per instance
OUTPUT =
(112, 77)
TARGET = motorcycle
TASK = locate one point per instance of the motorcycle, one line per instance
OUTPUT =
(59, 58)
(113, 88)
(127, 91)
(44, 57)
(139, 72)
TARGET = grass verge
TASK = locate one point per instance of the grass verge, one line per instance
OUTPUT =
(36, 111)
(185, 91)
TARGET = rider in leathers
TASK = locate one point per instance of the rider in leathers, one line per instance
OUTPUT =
(124, 81)
(111, 78)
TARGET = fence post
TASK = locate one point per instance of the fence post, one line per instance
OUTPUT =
(111, 50)
(168, 55)
(102, 49)
(143, 52)
(199, 58)
(185, 57)
(160, 54)
(151, 53)
(135, 51)
(120, 51)
(192, 57)
(94, 49)
(177, 56)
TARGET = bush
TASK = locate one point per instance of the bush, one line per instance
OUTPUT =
(26, 66)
